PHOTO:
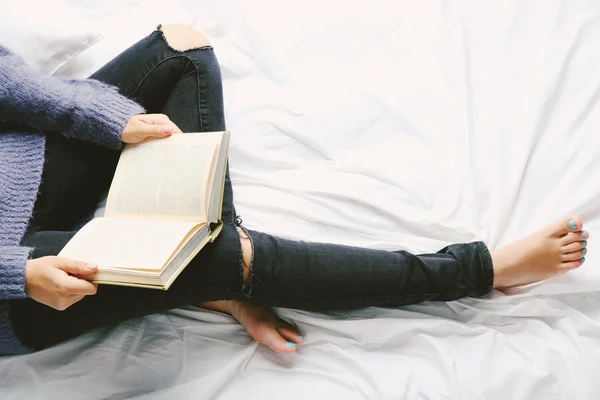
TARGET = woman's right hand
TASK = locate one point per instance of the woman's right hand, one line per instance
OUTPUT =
(55, 282)
(143, 126)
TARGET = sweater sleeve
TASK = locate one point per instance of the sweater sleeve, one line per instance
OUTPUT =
(12, 271)
(82, 109)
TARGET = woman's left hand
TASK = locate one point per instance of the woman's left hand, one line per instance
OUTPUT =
(143, 126)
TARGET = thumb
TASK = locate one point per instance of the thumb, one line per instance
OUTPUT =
(75, 267)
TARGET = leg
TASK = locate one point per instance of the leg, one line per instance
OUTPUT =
(186, 86)
(210, 277)
(164, 80)
(77, 175)
(553, 250)
(183, 84)
(75, 178)
(322, 276)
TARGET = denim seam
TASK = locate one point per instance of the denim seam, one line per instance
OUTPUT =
(152, 70)
(198, 84)
(200, 96)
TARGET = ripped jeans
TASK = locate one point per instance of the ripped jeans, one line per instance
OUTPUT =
(186, 85)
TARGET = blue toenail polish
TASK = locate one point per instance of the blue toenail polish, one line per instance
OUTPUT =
(583, 235)
(583, 243)
(583, 251)
(572, 224)
(582, 259)
(300, 337)
(290, 344)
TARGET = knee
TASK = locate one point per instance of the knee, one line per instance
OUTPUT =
(182, 37)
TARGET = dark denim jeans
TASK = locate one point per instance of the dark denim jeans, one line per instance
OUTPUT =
(187, 87)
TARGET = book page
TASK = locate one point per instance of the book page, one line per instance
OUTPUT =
(165, 178)
(129, 243)
(216, 194)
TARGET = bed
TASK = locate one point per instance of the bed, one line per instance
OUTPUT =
(391, 125)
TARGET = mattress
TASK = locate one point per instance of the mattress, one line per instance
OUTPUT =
(389, 125)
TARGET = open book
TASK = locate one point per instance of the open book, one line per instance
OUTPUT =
(163, 206)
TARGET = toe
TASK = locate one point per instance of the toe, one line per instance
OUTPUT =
(271, 338)
(290, 335)
(569, 239)
(288, 332)
(574, 246)
(574, 256)
(569, 265)
(574, 237)
(568, 224)
(263, 325)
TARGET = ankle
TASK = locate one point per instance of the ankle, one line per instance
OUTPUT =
(223, 306)
(498, 265)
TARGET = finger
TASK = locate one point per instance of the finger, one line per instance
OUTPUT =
(161, 119)
(157, 131)
(155, 119)
(289, 333)
(74, 267)
(176, 128)
(74, 285)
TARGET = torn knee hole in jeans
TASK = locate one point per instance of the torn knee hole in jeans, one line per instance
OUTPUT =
(246, 259)
(166, 40)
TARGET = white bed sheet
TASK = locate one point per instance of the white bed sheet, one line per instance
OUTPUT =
(401, 125)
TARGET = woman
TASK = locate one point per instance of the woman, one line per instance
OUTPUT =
(59, 144)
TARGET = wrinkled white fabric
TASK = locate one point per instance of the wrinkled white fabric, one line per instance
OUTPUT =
(392, 125)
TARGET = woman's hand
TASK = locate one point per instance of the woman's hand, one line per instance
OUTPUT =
(55, 282)
(143, 126)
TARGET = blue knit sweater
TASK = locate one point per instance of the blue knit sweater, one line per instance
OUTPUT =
(85, 109)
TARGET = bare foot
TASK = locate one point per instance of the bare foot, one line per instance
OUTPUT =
(261, 323)
(553, 250)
